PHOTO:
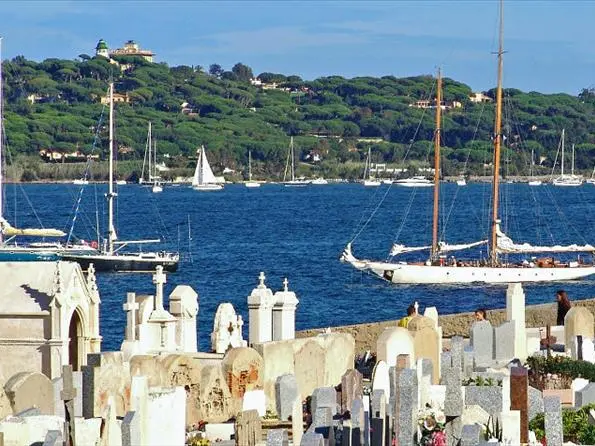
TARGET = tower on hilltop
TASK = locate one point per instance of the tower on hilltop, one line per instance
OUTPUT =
(102, 49)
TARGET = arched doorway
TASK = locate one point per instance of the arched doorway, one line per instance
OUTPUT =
(75, 335)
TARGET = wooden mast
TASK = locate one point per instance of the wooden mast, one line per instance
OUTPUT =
(497, 145)
(111, 229)
(437, 167)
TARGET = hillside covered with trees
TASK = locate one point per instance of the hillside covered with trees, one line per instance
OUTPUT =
(57, 104)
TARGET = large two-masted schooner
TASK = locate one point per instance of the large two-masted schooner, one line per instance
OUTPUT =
(492, 270)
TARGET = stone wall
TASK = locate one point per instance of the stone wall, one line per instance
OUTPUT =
(365, 335)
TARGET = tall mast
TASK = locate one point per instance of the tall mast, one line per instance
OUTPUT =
(292, 161)
(497, 144)
(249, 165)
(149, 144)
(111, 234)
(1, 139)
(563, 137)
(437, 166)
(572, 168)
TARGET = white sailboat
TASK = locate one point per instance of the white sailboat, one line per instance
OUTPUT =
(592, 179)
(437, 270)
(367, 180)
(250, 183)
(533, 181)
(461, 182)
(152, 177)
(110, 257)
(290, 170)
(204, 179)
(563, 180)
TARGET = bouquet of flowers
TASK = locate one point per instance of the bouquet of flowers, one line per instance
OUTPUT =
(430, 427)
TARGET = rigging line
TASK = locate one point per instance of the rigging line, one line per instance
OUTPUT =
(371, 215)
(451, 208)
(412, 140)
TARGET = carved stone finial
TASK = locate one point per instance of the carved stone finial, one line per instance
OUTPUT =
(261, 278)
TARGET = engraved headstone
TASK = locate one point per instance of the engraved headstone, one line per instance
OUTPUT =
(553, 420)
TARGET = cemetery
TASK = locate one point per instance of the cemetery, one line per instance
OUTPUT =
(505, 383)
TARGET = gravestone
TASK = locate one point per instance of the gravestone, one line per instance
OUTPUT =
(432, 313)
(519, 399)
(535, 402)
(111, 434)
(585, 396)
(131, 435)
(553, 420)
(406, 406)
(578, 321)
(576, 385)
(311, 439)
(139, 402)
(379, 427)
(482, 340)
(351, 388)
(248, 428)
(53, 438)
(392, 342)
(456, 351)
(277, 437)
(510, 420)
(260, 313)
(426, 341)
(287, 394)
(424, 379)
(468, 360)
(67, 395)
(227, 329)
(358, 424)
(285, 303)
(30, 389)
(324, 397)
(297, 421)
(243, 368)
(471, 435)
(380, 378)
(515, 312)
(504, 336)
(322, 423)
(453, 404)
(588, 350)
(183, 305)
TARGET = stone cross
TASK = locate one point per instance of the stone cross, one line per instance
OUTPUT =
(416, 306)
(285, 284)
(68, 394)
(159, 279)
(130, 307)
(261, 278)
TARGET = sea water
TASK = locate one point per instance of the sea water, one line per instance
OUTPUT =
(226, 238)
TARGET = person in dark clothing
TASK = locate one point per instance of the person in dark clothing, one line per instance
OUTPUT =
(563, 306)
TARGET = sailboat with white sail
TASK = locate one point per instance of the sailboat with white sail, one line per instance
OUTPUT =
(565, 180)
(111, 256)
(250, 183)
(152, 172)
(289, 179)
(204, 179)
(437, 270)
(368, 180)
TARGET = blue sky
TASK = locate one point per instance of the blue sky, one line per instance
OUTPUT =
(550, 44)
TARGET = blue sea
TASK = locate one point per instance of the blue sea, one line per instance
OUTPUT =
(227, 238)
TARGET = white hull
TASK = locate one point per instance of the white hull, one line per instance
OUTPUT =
(319, 181)
(567, 183)
(296, 183)
(371, 183)
(535, 183)
(413, 184)
(461, 183)
(251, 184)
(207, 187)
(156, 189)
(423, 274)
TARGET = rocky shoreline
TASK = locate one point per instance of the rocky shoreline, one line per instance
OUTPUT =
(452, 324)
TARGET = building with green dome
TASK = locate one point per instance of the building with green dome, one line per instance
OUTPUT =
(102, 49)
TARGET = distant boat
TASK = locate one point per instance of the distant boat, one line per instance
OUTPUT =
(204, 179)
(367, 179)
(416, 181)
(151, 158)
(319, 181)
(80, 181)
(250, 183)
(461, 182)
(563, 180)
(290, 170)
(532, 181)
